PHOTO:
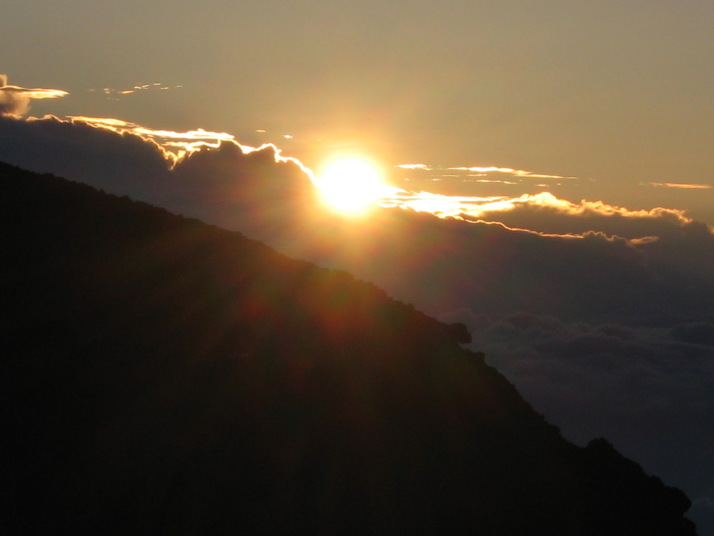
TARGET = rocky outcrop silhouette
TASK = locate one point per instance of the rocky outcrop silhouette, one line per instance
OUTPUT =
(163, 376)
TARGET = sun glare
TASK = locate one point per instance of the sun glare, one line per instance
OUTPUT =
(351, 185)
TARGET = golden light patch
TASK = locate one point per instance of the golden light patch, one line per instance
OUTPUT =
(351, 185)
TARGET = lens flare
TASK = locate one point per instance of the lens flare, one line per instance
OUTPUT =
(351, 185)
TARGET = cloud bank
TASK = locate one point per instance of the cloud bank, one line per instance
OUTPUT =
(600, 315)
(197, 173)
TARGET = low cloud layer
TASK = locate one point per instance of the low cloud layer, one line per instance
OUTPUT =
(648, 390)
(603, 370)
(600, 315)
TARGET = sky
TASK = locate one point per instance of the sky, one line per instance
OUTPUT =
(613, 95)
(569, 142)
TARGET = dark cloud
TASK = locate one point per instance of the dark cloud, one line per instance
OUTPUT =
(674, 247)
(255, 191)
(605, 332)
(229, 185)
(701, 333)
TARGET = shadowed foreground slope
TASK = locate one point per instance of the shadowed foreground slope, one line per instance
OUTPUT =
(164, 376)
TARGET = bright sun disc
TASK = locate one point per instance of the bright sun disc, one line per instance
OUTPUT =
(350, 185)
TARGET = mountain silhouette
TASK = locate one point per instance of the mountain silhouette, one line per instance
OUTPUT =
(164, 376)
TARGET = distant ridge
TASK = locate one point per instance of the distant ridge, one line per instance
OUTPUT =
(163, 376)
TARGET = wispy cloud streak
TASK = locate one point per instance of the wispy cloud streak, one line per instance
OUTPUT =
(478, 174)
(510, 171)
(112, 93)
(414, 166)
(15, 100)
(679, 185)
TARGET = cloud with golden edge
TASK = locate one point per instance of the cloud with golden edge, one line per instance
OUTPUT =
(414, 166)
(678, 185)
(442, 206)
(15, 100)
(114, 94)
(543, 213)
(482, 174)
(491, 181)
(546, 214)
(510, 171)
(178, 143)
(548, 200)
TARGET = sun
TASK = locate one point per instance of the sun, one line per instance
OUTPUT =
(351, 185)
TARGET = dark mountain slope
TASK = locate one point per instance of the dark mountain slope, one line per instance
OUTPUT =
(162, 376)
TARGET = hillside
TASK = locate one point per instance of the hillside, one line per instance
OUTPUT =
(163, 376)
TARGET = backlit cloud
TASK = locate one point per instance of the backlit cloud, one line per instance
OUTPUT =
(679, 185)
(490, 181)
(443, 206)
(479, 174)
(112, 93)
(177, 142)
(199, 173)
(413, 166)
(509, 171)
(544, 212)
(16, 100)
